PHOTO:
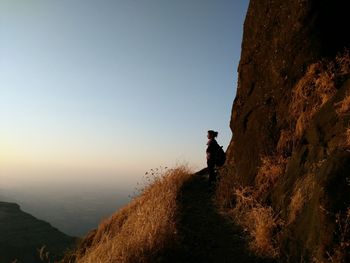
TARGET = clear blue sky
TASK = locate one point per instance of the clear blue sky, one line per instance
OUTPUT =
(114, 87)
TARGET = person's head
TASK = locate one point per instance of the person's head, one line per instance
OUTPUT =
(212, 134)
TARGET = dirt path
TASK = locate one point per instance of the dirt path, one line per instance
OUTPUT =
(206, 236)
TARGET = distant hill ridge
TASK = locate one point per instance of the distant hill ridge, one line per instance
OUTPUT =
(22, 235)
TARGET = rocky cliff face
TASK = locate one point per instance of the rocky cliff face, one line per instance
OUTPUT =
(22, 235)
(281, 39)
(290, 121)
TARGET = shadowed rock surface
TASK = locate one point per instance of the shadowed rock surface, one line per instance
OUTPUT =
(281, 40)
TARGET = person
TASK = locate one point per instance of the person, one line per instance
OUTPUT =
(211, 152)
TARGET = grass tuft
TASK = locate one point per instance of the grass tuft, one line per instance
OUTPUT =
(296, 204)
(262, 224)
(259, 222)
(302, 193)
(270, 170)
(343, 107)
(310, 93)
(285, 143)
(315, 88)
(224, 194)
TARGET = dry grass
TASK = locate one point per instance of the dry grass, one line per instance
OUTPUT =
(225, 194)
(296, 204)
(341, 252)
(325, 86)
(263, 223)
(345, 142)
(244, 202)
(259, 221)
(140, 229)
(302, 193)
(270, 170)
(245, 205)
(318, 85)
(342, 61)
(343, 107)
(285, 143)
(310, 93)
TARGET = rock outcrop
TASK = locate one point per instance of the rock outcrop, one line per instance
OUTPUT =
(292, 83)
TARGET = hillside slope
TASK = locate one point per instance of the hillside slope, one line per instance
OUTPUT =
(173, 220)
(22, 235)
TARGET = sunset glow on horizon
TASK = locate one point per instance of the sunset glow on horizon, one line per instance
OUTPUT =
(110, 89)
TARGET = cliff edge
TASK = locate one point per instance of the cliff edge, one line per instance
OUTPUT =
(288, 161)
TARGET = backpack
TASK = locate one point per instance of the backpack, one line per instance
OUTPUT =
(220, 156)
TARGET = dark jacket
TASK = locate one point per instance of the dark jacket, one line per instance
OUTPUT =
(211, 149)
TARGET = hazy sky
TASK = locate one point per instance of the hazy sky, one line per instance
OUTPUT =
(90, 89)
